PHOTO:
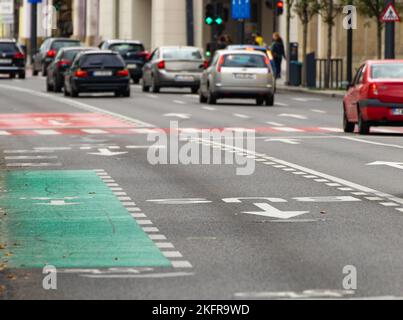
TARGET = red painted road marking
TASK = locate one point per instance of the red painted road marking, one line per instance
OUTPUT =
(133, 131)
(60, 120)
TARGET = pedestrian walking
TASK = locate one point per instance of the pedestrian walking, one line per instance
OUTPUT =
(277, 49)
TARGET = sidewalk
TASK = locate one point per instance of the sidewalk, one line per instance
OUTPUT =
(281, 87)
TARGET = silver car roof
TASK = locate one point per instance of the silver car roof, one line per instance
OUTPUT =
(226, 51)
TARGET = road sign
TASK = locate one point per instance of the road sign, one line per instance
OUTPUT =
(241, 9)
(390, 14)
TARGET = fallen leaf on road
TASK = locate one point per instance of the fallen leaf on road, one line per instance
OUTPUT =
(8, 254)
(11, 277)
(2, 246)
(323, 212)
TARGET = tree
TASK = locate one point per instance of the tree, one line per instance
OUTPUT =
(305, 10)
(373, 9)
(329, 11)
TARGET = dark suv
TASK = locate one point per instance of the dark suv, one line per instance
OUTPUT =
(12, 59)
(132, 52)
(48, 51)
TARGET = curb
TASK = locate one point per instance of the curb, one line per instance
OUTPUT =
(332, 94)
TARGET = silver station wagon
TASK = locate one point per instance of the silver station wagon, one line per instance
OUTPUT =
(238, 74)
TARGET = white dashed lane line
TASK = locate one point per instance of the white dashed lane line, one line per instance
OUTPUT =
(160, 240)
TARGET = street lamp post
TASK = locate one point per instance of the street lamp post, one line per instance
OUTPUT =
(350, 50)
(34, 32)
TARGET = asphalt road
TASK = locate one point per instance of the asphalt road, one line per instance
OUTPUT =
(327, 208)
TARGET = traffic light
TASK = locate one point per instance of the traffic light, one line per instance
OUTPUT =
(210, 15)
(279, 7)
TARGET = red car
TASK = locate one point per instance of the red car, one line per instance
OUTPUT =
(375, 97)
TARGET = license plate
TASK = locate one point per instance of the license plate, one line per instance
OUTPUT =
(5, 61)
(184, 78)
(131, 66)
(245, 76)
(397, 111)
(102, 73)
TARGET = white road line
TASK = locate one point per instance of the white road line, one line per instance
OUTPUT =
(288, 129)
(385, 130)
(130, 276)
(209, 108)
(181, 264)
(157, 237)
(240, 115)
(33, 165)
(30, 157)
(47, 132)
(144, 222)
(152, 96)
(295, 116)
(280, 104)
(172, 254)
(373, 142)
(179, 102)
(318, 111)
(164, 245)
(77, 104)
(4, 133)
(150, 229)
(276, 124)
(331, 129)
(94, 131)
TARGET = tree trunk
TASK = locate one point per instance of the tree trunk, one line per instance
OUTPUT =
(304, 51)
(379, 38)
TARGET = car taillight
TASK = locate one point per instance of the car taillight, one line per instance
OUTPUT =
(267, 61)
(205, 64)
(123, 73)
(81, 74)
(63, 63)
(220, 63)
(19, 55)
(373, 90)
(161, 64)
(145, 55)
(51, 53)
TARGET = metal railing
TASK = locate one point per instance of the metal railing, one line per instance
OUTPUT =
(336, 73)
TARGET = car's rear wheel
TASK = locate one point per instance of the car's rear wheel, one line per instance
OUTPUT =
(347, 125)
(21, 75)
(49, 87)
(194, 90)
(126, 93)
(44, 71)
(211, 98)
(202, 98)
(66, 93)
(144, 87)
(34, 72)
(154, 87)
(270, 100)
(74, 93)
(363, 126)
(11, 75)
(259, 101)
(57, 87)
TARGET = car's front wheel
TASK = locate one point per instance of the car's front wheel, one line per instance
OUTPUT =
(348, 126)
(154, 87)
(211, 98)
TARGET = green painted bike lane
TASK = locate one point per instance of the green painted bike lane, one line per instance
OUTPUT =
(69, 219)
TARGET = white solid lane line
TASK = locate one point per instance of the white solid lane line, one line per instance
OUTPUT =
(318, 111)
(373, 142)
(276, 124)
(295, 116)
(280, 104)
(209, 108)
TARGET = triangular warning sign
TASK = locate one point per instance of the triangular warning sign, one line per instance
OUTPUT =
(390, 14)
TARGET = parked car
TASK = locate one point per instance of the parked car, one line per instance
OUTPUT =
(56, 70)
(132, 52)
(375, 97)
(97, 71)
(238, 74)
(48, 51)
(12, 59)
(177, 67)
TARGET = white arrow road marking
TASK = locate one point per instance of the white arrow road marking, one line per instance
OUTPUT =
(107, 153)
(178, 115)
(239, 200)
(272, 212)
(290, 115)
(283, 140)
(397, 165)
(57, 203)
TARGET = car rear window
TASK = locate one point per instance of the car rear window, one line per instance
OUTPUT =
(105, 60)
(70, 54)
(8, 47)
(244, 61)
(124, 48)
(57, 45)
(182, 54)
(387, 71)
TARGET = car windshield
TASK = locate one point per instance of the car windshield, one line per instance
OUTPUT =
(182, 54)
(244, 61)
(104, 60)
(124, 48)
(70, 54)
(387, 71)
(8, 47)
(57, 45)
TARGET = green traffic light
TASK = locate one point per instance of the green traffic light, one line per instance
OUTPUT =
(208, 54)
(219, 20)
(209, 20)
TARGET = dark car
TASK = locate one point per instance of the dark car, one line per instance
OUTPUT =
(97, 71)
(132, 52)
(48, 51)
(57, 69)
(12, 59)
